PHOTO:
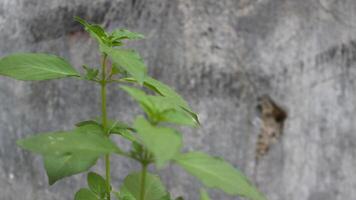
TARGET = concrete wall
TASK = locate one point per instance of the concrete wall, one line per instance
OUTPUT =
(221, 56)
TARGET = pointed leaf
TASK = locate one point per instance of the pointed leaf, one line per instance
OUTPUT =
(129, 60)
(58, 167)
(116, 125)
(85, 194)
(90, 126)
(87, 122)
(167, 110)
(141, 97)
(136, 150)
(154, 189)
(35, 67)
(91, 73)
(166, 91)
(69, 153)
(121, 34)
(162, 89)
(216, 173)
(125, 133)
(181, 118)
(95, 31)
(163, 142)
(97, 184)
(160, 108)
(124, 195)
(62, 143)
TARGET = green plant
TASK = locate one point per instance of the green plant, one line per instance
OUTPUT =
(153, 139)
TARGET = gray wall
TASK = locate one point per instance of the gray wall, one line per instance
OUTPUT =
(220, 55)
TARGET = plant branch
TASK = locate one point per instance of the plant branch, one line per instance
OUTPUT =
(143, 180)
(104, 122)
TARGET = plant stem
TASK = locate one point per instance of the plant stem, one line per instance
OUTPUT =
(103, 93)
(107, 170)
(143, 181)
(104, 121)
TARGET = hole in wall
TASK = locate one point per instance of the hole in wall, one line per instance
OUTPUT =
(273, 117)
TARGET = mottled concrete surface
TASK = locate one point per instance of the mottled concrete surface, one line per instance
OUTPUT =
(220, 55)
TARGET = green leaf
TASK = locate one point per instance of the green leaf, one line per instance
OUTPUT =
(91, 73)
(116, 125)
(136, 150)
(124, 195)
(129, 60)
(125, 133)
(216, 173)
(58, 167)
(181, 118)
(121, 34)
(167, 110)
(154, 189)
(164, 143)
(116, 69)
(35, 67)
(161, 88)
(106, 40)
(143, 99)
(85, 194)
(166, 91)
(69, 153)
(160, 108)
(97, 184)
(88, 122)
(90, 126)
(62, 143)
(95, 31)
(204, 194)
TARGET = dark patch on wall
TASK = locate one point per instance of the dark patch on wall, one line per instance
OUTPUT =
(133, 3)
(345, 51)
(209, 80)
(54, 23)
(322, 195)
(2, 10)
(138, 7)
(240, 5)
(212, 81)
(140, 10)
(262, 21)
(49, 98)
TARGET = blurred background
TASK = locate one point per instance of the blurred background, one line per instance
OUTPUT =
(222, 56)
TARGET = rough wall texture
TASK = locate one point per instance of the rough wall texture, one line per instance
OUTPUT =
(221, 55)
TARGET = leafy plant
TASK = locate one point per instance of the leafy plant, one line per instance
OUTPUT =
(153, 139)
